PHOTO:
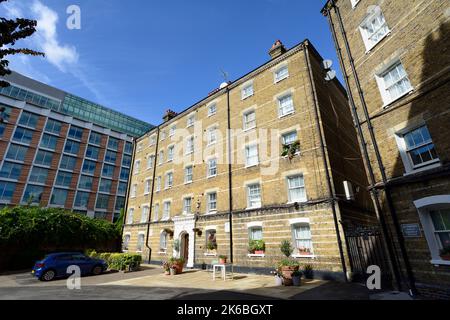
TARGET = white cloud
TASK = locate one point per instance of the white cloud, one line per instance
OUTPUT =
(62, 56)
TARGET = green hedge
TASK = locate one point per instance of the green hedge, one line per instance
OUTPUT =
(118, 261)
(27, 233)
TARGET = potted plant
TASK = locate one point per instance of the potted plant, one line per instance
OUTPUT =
(445, 253)
(173, 270)
(211, 246)
(308, 271)
(166, 266)
(278, 277)
(286, 248)
(287, 267)
(290, 150)
(257, 246)
(303, 251)
(223, 259)
(177, 264)
(296, 278)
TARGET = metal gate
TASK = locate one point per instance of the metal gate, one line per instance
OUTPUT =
(365, 248)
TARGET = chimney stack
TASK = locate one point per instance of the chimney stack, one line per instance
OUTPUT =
(277, 49)
(169, 115)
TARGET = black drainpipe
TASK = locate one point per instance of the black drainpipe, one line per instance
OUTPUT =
(390, 203)
(230, 176)
(155, 160)
(324, 156)
(129, 184)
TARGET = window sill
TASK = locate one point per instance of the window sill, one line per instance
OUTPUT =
(279, 80)
(210, 254)
(211, 212)
(249, 129)
(211, 177)
(253, 255)
(286, 115)
(139, 251)
(430, 166)
(246, 97)
(369, 50)
(251, 166)
(440, 262)
(187, 183)
(310, 256)
(162, 253)
(389, 103)
(253, 208)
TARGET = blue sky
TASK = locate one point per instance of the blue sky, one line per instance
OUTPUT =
(142, 57)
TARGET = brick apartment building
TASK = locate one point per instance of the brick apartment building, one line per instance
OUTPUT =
(395, 56)
(58, 150)
(184, 188)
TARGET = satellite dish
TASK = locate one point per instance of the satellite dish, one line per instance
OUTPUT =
(224, 85)
(327, 64)
(330, 75)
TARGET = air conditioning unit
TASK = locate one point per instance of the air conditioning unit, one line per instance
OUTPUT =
(349, 191)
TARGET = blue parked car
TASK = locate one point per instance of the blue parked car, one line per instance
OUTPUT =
(55, 265)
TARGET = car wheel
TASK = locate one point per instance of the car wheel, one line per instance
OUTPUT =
(97, 270)
(49, 275)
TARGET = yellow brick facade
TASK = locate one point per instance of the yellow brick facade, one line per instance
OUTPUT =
(415, 35)
(276, 215)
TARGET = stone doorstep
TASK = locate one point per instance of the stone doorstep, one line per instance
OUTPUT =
(202, 280)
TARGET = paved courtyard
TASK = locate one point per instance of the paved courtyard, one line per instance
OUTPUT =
(151, 284)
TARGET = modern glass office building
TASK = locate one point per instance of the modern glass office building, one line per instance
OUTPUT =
(59, 150)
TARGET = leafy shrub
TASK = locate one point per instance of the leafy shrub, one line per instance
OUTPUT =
(288, 263)
(286, 248)
(28, 233)
(117, 261)
(308, 271)
(256, 245)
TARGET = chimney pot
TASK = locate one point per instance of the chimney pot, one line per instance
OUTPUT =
(277, 49)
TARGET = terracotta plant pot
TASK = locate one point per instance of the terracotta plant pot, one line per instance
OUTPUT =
(222, 261)
(287, 274)
(178, 268)
(259, 252)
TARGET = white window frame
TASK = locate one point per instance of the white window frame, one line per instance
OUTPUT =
(130, 216)
(301, 222)
(209, 168)
(147, 186)
(424, 206)
(190, 121)
(212, 135)
(156, 212)
(290, 200)
(186, 181)
(166, 210)
(283, 137)
(280, 108)
(145, 214)
(152, 140)
(387, 99)
(190, 145)
(246, 150)
(141, 235)
(277, 71)
(410, 168)
(184, 205)
(354, 3)
(150, 162)
(172, 130)
(170, 153)
(246, 121)
(137, 166)
(161, 158)
(133, 192)
(376, 11)
(163, 248)
(212, 109)
(126, 247)
(249, 201)
(208, 202)
(245, 92)
(158, 183)
(169, 180)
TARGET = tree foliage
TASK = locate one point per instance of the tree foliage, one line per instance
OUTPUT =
(11, 31)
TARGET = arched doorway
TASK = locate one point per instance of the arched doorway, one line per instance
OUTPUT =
(184, 248)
